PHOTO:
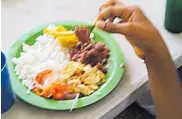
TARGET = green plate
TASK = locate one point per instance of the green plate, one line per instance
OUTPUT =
(113, 75)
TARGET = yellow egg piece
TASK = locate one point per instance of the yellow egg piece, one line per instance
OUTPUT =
(46, 31)
(68, 41)
(59, 31)
(61, 28)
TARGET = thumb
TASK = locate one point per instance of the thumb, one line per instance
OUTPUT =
(123, 28)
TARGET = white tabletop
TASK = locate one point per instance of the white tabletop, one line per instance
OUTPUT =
(19, 16)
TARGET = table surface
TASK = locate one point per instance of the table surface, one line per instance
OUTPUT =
(19, 16)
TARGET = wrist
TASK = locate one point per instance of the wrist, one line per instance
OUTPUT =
(157, 57)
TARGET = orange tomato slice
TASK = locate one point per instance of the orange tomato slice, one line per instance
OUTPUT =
(40, 77)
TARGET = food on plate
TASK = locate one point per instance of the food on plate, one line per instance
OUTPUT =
(63, 36)
(76, 78)
(83, 78)
(68, 41)
(83, 34)
(45, 54)
(41, 76)
(57, 90)
(62, 64)
(92, 53)
(88, 51)
(55, 31)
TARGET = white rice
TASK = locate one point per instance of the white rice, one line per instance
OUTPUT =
(45, 54)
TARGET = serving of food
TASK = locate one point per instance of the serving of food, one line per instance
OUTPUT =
(62, 64)
(72, 67)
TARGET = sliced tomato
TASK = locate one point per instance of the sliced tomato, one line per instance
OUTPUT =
(40, 77)
(66, 89)
(37, 90)
(60, 90)
(48, 92)
(57, 90)
(58, 96)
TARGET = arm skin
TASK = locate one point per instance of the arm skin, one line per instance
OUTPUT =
(165, 88)
(148, 45)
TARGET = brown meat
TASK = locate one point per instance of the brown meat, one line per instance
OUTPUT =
(95, 54)
(88, 52)
(100, 66)
(83, 56)
(82, 33)
(99, 46)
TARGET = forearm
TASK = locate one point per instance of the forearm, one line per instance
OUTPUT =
(165, 88)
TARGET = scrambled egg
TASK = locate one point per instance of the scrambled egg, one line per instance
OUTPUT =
(83, 78)
(76, 78)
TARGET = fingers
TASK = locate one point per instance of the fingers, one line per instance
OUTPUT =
(123, 28)
(115, 11)
(111, 19)
(126, 29)
(110, 3)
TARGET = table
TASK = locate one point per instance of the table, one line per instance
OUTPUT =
(19, 16)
